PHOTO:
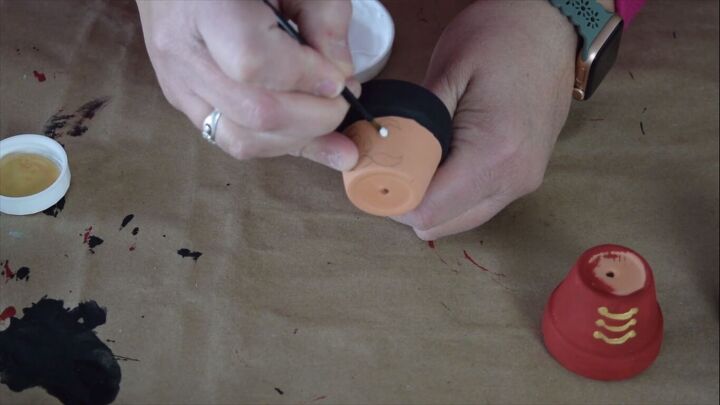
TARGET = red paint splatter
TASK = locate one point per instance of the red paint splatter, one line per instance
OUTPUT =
(40, 76)
(319, 398)
(471, 260)
(431, 245)
(7, 273)
(86, 235)
(8, 312)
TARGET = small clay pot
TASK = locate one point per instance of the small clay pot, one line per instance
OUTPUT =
(393, 173)
(603, 321)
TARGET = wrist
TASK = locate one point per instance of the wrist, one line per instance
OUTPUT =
(608, 5)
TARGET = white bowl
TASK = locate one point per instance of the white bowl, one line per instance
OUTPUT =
(371, 37)
(49, 148)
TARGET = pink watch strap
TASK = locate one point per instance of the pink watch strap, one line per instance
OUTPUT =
(627, 9)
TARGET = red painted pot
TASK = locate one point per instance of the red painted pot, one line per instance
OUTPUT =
(603, 321)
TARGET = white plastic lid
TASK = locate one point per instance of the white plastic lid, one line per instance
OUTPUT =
(371, 36)
(49, 148)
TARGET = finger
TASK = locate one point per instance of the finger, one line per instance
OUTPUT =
(243, 38)
(232, 138)
(194, 107)
(296, 115)
(472, 218)
(325, 25)
(334, 150)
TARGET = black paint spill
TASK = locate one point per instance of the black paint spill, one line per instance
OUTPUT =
(73, 124)
(56, 349)
(135, 230)
(23, 273)
(126, 220)
(632, 76)
(642, 128)
(56, 208)
(279, 391)
(187, 253)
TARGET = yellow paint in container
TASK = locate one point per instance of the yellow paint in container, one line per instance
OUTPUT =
(24, 174)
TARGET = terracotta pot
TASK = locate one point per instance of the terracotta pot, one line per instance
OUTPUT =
(393, 173)
(603, 321)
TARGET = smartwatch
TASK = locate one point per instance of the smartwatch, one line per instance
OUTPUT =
(600, 32)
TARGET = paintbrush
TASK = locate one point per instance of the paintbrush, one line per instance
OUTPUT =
(346, 93)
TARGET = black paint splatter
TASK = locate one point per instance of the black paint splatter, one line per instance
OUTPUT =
(631, 75)
(279, 391)
(77, 130)
(674, 35)
(94, 241)
(56, 208)
(187, 253)
(23, 273)
(89, 109)
(126, 220)
(135, 230)
(75, 121)
(642, 128)
(56, 349)
(55, 123)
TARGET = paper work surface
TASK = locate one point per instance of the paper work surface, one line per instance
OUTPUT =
(297, 297)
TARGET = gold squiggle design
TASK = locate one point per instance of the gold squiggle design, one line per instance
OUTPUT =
(614, 341)
(622, 328)
(618, 317)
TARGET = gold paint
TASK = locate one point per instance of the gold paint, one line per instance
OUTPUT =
(618, 317)
(614, 341)
(23, 174)
(622, 328)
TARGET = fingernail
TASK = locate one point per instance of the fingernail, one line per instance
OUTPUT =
(328, 88)
(336, 161)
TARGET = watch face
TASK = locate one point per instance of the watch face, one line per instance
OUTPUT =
(604, 60)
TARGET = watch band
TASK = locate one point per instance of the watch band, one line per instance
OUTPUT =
(588, 16)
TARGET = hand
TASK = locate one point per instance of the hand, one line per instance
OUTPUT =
(276, 96)
(505, 70)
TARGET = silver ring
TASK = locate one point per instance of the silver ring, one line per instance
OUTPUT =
(210, 126)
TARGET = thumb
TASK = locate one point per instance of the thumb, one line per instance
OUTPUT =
(325, 25)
